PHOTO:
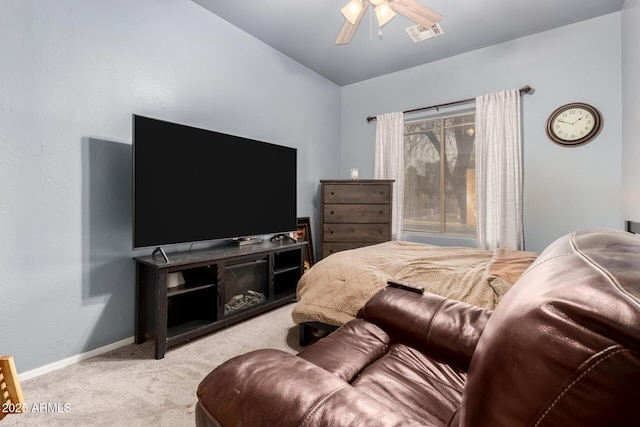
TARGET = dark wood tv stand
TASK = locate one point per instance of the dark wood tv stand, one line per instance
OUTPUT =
(222, 286)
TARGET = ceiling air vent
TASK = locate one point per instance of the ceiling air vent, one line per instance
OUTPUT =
(419, 33)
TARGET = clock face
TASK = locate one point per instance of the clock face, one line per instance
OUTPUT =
(573, 124)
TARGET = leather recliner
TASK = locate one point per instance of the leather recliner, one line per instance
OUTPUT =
(561, 349)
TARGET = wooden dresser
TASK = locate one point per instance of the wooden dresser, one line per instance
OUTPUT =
(354, 213)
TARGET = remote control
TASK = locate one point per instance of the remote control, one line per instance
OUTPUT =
(406, 286)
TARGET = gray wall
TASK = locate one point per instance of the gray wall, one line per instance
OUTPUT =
(630, 110)
(564, 188)
(72, 74)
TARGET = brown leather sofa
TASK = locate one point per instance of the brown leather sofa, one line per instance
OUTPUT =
(561, 349)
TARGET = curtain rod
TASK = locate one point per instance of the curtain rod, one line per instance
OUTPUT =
(526, 89)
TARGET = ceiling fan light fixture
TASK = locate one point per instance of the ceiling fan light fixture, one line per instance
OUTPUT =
(384, 13)
(352, 10)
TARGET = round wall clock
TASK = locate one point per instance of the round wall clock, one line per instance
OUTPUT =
(574, 124)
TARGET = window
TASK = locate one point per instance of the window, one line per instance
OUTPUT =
(439, 189)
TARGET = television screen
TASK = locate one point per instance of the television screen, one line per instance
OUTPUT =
(192, 185)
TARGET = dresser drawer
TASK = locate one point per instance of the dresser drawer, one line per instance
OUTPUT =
(356, 232)
(356, 213)
(332, 248)
(356, 193)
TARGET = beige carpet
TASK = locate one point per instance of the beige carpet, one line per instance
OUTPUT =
(128, 387)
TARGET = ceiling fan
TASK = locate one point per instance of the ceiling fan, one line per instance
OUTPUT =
(411, 9)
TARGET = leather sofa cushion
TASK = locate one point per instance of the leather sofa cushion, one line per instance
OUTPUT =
(348, 350)
(399, 378)
(408, 382)
(299, 393)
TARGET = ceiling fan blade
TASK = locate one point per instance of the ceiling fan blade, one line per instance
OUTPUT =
(416, 12)
(348, 29)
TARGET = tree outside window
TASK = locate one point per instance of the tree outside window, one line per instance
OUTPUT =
(439, 187)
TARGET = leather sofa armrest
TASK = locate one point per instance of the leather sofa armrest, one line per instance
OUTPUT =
(273, 388)
(443, 329)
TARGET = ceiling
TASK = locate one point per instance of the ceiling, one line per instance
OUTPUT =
(305, 30)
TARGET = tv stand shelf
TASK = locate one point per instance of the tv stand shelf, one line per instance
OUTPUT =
(183, 288)
(222, 286)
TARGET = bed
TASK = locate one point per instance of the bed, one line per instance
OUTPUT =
(331, 292)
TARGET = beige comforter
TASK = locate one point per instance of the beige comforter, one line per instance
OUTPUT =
(335, 288)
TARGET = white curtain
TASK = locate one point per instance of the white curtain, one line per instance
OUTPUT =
(389, 163)
(499, 171)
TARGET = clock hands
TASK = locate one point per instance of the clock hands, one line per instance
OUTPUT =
(571, 123)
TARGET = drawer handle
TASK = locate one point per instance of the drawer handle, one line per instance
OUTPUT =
(332, 193)
(381, 193)
(380, 231)
(331, 231)
(331, 212)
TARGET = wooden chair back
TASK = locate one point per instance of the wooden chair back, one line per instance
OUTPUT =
(11, 397)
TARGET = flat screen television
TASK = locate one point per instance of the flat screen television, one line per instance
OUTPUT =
(192, 185)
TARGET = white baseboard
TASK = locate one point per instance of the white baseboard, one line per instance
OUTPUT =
(73, 359)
